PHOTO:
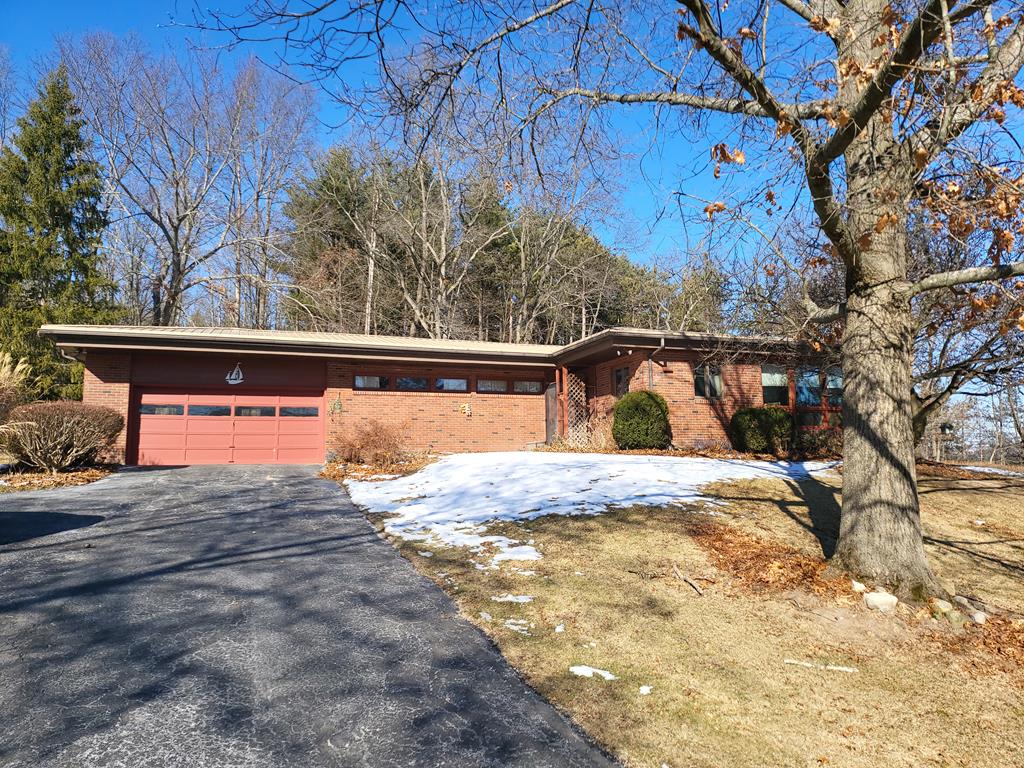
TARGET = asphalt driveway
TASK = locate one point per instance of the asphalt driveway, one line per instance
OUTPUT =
(242, 616)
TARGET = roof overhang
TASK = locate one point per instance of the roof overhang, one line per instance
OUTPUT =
(76, 340)
(616, 342)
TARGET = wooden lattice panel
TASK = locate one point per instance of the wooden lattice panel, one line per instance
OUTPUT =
(578, 426)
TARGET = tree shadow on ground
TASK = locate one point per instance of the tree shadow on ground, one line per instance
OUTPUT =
(815, 508)
(23, 526)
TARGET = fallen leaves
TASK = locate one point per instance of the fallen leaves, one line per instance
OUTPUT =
(763, 566)
(36, 480)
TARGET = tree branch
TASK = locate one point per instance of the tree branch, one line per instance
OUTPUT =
(964, 276)
(809, 111)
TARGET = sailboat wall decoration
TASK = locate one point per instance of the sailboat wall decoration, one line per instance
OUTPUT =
(235, 377)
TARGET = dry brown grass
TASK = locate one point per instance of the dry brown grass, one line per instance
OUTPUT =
(36, 480)
(722, 694)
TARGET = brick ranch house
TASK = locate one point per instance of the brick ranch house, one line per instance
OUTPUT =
(225, 395)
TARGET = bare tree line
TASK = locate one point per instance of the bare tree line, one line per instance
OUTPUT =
(198, 164)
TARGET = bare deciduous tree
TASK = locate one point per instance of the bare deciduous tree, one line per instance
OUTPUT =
(195, 169)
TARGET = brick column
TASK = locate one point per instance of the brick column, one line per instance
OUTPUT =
(107, 382)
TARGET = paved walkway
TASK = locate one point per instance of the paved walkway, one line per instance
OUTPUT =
(242, 616)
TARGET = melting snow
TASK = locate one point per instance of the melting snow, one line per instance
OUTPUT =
(517, 625)
(584, 671)
(512, 598)
(453, 501)
(993, 471)
(645, 690)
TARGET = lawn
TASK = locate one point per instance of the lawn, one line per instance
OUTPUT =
(701, 678)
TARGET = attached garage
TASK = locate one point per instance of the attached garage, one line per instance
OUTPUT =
(223, 427)
(215, 409)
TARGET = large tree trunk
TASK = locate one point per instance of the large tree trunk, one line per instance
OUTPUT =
(880, 527)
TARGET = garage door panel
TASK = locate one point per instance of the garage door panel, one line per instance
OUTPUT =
(311, 432)
(254, 430)
(205, 456)
(209, 427)
(295, 456)
(297, 441)
(255, 426)
(162, 458)
(162, 425)
(162, 441)
(258, 456)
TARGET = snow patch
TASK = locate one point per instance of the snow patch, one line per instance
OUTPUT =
(645, 690)
(993, 471)
(518, 625)
(506, 598)
(585, 671)
(452, 501)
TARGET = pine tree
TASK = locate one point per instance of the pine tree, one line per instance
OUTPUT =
(51, 222)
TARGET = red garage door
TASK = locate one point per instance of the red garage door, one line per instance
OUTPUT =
(220, 427)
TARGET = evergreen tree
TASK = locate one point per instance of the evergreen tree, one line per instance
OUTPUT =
(51, 221)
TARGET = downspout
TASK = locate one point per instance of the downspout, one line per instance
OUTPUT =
(650, 363)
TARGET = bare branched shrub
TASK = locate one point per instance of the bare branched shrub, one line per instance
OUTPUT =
(372, 442)
(59, 435)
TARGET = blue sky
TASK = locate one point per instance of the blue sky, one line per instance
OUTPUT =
(29, 28)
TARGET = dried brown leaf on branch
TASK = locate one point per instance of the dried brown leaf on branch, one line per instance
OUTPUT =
(712, 208)
(825, 24)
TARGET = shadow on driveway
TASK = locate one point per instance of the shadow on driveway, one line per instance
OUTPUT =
(23, 526)
(216, 616)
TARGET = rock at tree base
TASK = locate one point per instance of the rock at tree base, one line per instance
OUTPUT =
(882, 602)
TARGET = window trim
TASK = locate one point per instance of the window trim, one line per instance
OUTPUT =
(538, 382)
(715, 371)
(386, 377)
(443, 390)
(615, 383)
(503, 391)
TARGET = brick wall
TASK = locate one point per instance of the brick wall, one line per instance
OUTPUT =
(696, 421)
(107, 382)
(442, 421)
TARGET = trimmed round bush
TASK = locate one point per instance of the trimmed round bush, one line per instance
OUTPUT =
(761, 430)
(59, 435)
(641, 421)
